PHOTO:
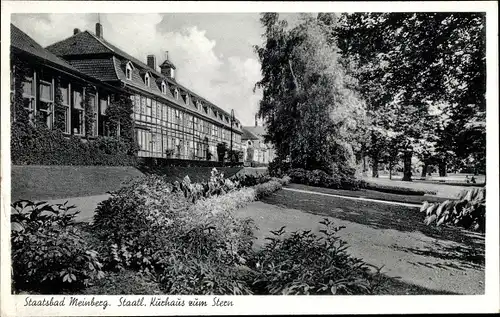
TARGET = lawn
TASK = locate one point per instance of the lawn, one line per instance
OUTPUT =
(381, 216)
(53, 182)
(367, 193)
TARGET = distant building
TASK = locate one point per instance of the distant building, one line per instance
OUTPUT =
(171, 121)
(253, 143)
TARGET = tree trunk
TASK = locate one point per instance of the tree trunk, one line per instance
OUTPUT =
(390, 170)
(407, 166)
(375, 166)
(424, 170)
(442, 169)
(364, 163)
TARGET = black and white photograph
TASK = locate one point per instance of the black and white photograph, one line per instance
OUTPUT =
(159, 159)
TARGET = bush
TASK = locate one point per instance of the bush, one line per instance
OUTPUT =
(277, 168)
(320, 178)
(191, 241)
(125, 282)
(396, 189)
(304, 264)
(469, 211)
(50, 254)
(251, 180)
(267, 189)
(41, 146)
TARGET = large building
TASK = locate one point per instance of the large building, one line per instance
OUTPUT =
(171, 121)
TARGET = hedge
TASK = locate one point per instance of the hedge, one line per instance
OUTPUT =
(34, 145)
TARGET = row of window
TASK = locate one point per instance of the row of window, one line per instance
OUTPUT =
(173, 145)
(40, 104)
(188, 100)
(151, 111)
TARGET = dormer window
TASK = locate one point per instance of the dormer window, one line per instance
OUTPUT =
(128, 70)
(187, 99)
(205, 109)
(146, 79)
(163, 88)
(176, 94)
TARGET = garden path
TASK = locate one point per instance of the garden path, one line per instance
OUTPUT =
(417, 258)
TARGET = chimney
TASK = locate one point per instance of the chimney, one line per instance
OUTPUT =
(151, 61)
(98, 30)
(76, 31)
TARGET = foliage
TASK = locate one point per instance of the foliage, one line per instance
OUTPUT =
(49, 253)
(396, 190)
(469, 211)
(221, 151)
(248, 180)
(120, 120)
(59, 116)
(265, 189)
(125, 282)
(305, 264)
(90, 109)
(277, 167)
(41, 146)
(427, 113)
(308, 106)
(320, 178)
(17, 110)
(153, 226)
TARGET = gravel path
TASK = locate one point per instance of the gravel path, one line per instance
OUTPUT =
(413, 257)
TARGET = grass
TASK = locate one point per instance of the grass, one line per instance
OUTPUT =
(368, 193)
(52, 182)
(378, 216)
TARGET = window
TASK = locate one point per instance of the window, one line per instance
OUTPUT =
(176, 94)
(77, 114)
(46, 103)
(128, 71)
(66, 103)
(146, 79)
(165, 114)
(187, 99)
(103, 105)
(163, 88)
(205, 109)
(153, 108)
(93, 104)
(29, 96)
(148, 109)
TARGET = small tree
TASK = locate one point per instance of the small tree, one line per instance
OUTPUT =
(221, 151)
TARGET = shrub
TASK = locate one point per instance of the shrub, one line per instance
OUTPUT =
(304, 263)
(39, 145)
(396, 189)
(469, 211)
(277, 168)
(192, 243)
(125, 282)
(320, 178)
(267, 189)
(251, 180)
(49, 253)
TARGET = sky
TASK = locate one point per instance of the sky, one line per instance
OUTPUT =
(213, 52)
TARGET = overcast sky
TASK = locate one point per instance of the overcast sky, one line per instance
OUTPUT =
(212, 52)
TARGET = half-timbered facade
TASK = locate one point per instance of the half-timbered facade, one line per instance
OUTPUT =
(171, 121)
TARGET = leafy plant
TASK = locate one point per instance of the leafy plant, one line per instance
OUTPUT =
(469, 211)
(49, 253)
(306, 264)
(323, 179)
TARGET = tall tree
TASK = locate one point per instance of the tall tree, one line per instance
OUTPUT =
(311, 113)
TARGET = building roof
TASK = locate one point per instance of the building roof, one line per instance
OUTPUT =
(248, 135)
(22, 42)
(258, 131)
(167, 63)
(111, 62)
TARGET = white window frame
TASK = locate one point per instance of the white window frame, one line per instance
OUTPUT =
(176, 94)
(147, 79)
(129, 68)
(163, 88)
